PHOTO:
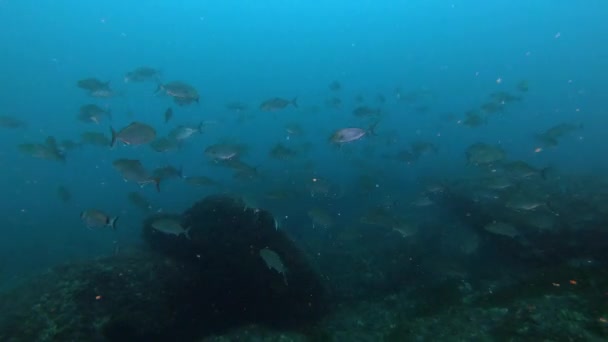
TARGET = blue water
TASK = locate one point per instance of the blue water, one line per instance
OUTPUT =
(250, 51)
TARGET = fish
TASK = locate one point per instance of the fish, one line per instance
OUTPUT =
(92, 84)
(11, 122)
(168, 114)
(164, 144)
(167, 172)
(282, 152)
(184, 132)
(502, 228)
(294, 129)
(136, 133)
(48, 150)
(181, 92)
(94, 218)
(277, 103)
(67, 145)
(142, 74)
(102, 93)
(320, 217)
(273, 261)
(92, 113)
(474, 119)
(519, 169)
(502, 98)
(222, 151)
(551, 136)
(524, 202)
(404, 227)
(422, 201)
(139, 201)
(170, 226)
(497, 183)
(243, 171)
(484, 154)
(492, 107)
(133, 170)
(347, 135)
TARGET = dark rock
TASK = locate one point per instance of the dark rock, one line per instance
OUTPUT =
(230, 283)
(186, 290)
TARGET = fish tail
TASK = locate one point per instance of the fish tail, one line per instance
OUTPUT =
(109, 113)
(180, 172)
(113, 141)
(200, 127)
(294, 102)
(157, 183)
(112, 222)
(159, 88)
(187, 233)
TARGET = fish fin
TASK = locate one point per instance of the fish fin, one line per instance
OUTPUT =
(112, 222)
(294, 102)
(157, 183)
(200, 127)
(113, 140)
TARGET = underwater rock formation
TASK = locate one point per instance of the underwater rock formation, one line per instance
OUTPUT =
(231, 282)
(180, 290)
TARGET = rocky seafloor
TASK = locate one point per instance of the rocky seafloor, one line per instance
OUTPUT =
(214, 287)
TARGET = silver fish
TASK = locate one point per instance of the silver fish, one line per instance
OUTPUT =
(136, 133)
(94, 218)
